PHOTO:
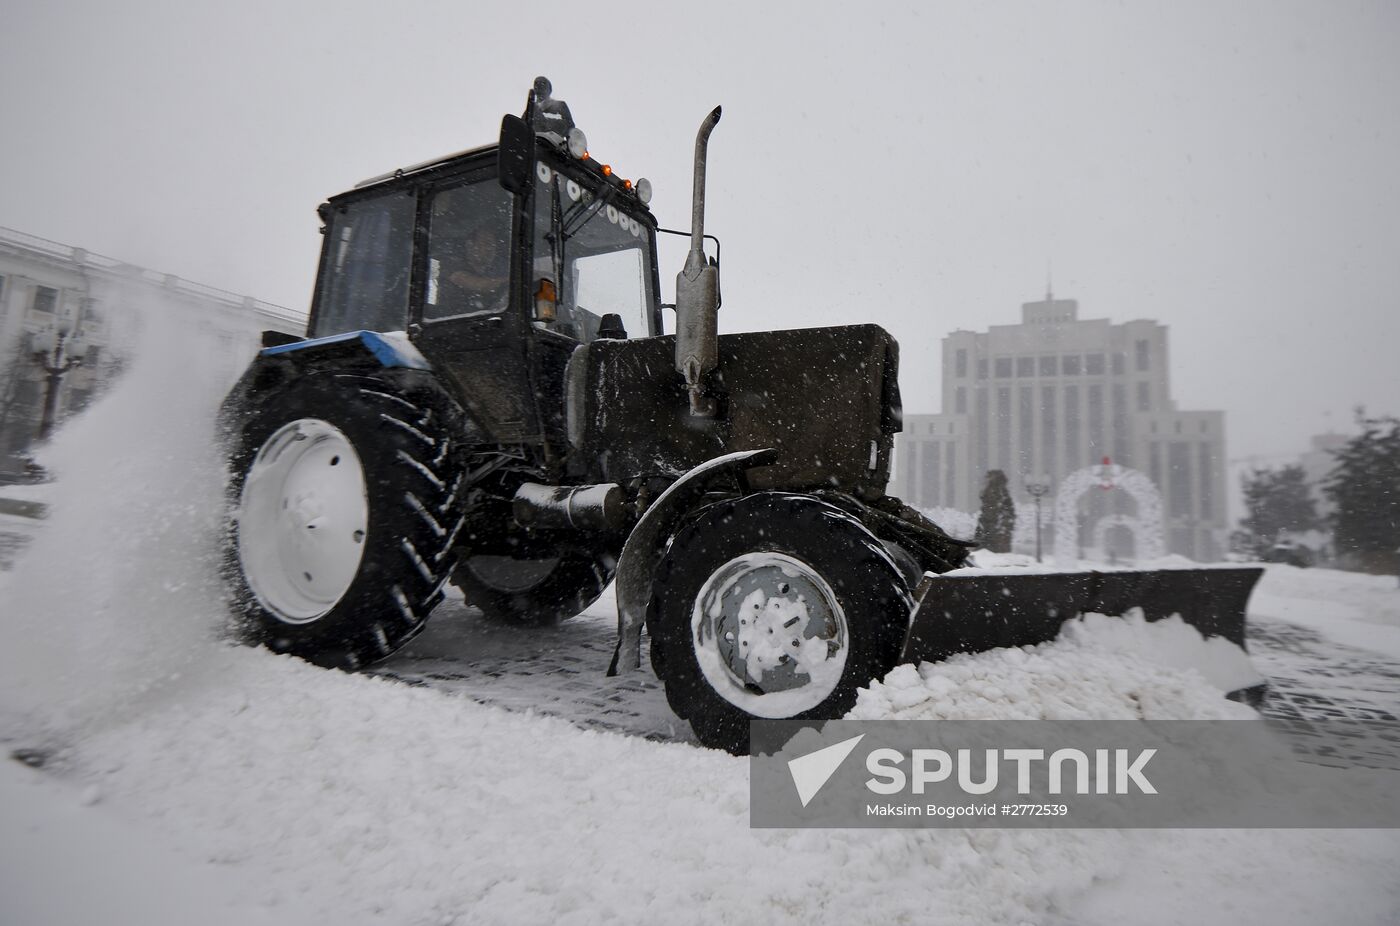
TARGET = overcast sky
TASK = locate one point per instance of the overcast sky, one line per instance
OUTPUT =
(1229, 169)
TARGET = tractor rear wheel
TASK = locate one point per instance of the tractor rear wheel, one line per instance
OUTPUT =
(536, 591)
(345, 506)
(773, 605)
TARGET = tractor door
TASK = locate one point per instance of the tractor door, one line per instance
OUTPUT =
(471, 324)
(593, 255)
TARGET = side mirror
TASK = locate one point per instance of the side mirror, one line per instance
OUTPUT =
(515, 155)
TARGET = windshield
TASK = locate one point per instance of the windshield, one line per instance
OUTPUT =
(597, 257)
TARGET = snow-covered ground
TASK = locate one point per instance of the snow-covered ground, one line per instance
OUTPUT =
(1350, 608)
(191, 780)
(281, 789)
(16, 531)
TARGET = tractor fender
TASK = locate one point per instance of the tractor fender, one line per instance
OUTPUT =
(388, 355)
(387, 348)
(648, 543)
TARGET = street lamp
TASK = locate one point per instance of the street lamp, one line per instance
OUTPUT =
(1037, 487)
(56, 350)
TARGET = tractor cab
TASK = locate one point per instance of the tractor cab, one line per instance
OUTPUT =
(498, 262)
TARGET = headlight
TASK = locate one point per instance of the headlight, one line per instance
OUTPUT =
(644, 190)
(578, 142)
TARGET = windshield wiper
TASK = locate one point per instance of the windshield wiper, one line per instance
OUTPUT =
(556, 241)
(581, 214)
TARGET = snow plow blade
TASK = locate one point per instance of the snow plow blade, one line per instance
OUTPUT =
(976, 612)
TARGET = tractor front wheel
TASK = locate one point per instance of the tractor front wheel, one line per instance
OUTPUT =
(772, 605)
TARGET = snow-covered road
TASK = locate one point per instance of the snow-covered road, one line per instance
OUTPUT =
(560, 671)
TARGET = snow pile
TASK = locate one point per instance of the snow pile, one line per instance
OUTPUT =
(382, 803)
(116, 597)
(1124, 669)
(67, 861)
(371, 801)
(986, 562)
(956, 523)
(1170, 642)
(1100, 668)
(375, 802)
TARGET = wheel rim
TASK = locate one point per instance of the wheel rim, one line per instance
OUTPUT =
(769, 635)
(302, 521)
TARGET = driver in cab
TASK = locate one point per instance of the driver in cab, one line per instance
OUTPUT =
(478, 275)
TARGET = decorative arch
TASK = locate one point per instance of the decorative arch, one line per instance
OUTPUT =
(1151, 544)
(1108, 522)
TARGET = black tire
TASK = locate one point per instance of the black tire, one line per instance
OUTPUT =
(413, 500)
(534, 592)
(858, 574)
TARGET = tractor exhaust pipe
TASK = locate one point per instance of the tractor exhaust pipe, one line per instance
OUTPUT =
(697, 292)
(580, 508)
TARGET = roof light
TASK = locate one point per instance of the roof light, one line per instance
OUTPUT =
(644, 189)
(607, 170)
(627, 184)
(578, 143)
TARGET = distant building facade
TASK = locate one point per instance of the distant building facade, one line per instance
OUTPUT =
(1056, 394)
(50, 287)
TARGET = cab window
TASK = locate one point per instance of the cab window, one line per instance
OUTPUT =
(469, 229)
(364, 283)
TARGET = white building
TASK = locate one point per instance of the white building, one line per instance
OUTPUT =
(47, 287)
(1056, 394)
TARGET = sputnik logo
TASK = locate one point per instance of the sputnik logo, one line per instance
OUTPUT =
(811, 772)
